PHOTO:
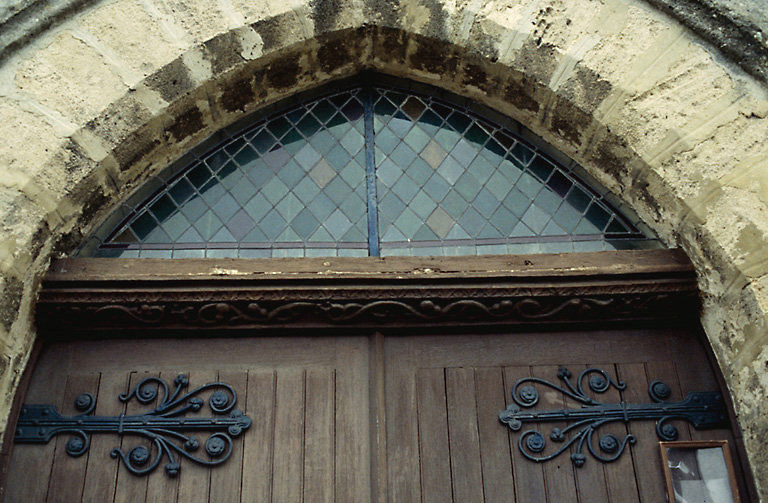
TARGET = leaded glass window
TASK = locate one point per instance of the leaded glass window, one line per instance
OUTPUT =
(369, 171)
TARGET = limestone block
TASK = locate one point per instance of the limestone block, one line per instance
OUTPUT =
(127, 34)
(202, 20)
(70, 77)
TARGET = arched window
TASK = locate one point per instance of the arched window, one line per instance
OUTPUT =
(369, 170)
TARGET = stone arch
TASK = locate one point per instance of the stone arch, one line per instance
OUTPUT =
(94, 107)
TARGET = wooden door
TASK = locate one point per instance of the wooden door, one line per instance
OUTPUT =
(307, 397)
(385, 418)
(444, 394)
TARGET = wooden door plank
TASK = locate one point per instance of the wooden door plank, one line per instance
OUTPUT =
(435, 461)
(131, 488)
(45, 388)
(463, 435)
(101, 472)
(194, 479)
(558, 473)
(529, 476)
(353, 435)
(590, 478)
(68, 473)
(665, 371)
(258, 443)
(226, 479)
(645, 453)
(700, 377)
(498, 482)
(402, 436)
(319, 440)
(289, 436)
(620, 474)
(160, 487)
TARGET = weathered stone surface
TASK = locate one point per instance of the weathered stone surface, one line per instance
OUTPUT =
(99, 104)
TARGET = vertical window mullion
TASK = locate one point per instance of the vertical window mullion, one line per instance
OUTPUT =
(370, 175)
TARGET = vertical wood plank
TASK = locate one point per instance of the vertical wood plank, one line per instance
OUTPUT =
(699, 377)
(319, 441)
(498, 482)
(402, 437)
(129, 487)
(259, 442)
(435, 460)
(463, 435)
(68, 473)
(558, 473)
(620, 474)
(377, 422)
(47, 388)
(645, 453)
(352, 409)
(160, 487)
(288, 463)
(195, 480)
(590, 479)
(226, 479)
(101, 473)
(529, 476)
(665, 371)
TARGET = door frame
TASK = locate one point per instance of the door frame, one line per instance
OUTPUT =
(91, 297)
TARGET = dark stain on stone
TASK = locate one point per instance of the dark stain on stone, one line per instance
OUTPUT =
(383, 12)
(121, 117)
(224, 51)
(475, 75)
(39, 238)
(171, 81)
(607, 160)
(10, 300)
(538, 61)
(434, 56)
(520, 95)
(569, 121)
(586, 88)
(284, 72)
(75, 159)
(235, 96)
(484, 43)
(325, 14)
(437, 19)
(186, 124)
(389, 45)
(334, 53)
(135, 148)
(273, 30)
(92, 200)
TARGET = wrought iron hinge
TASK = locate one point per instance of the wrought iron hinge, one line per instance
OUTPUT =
(703, 409)
(169, 433)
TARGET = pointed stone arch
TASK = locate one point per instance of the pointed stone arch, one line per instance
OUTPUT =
(629, 94)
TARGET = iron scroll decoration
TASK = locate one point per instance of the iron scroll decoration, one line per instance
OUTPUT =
(704, 410)
(170, 433)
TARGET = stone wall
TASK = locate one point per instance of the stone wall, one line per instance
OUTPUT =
(95, 105)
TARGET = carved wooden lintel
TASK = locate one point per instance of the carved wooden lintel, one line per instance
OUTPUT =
(84, 294)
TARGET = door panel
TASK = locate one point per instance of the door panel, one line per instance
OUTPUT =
(393, 418)
(307, 398)
(444, 394)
